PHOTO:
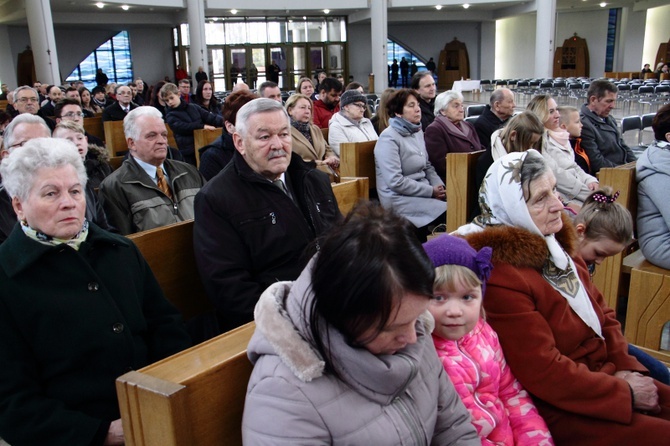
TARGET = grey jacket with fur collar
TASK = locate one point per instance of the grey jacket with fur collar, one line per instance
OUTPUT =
(400, 399)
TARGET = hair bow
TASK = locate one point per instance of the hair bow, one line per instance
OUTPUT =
(602, 198)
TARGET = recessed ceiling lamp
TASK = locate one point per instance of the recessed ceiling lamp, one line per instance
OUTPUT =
(326, 11)
(438, 7)
(233, 11)
(100, 5)
(603, 4)
(466, 5)
(125, 7)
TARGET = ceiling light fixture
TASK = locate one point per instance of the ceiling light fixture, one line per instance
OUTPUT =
(233, 11)
(326, 11)
(466, 5)
(438, 7)
(603, 4)
(125, 7)
(100, 5)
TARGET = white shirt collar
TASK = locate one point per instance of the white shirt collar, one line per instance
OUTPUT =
(150, 169)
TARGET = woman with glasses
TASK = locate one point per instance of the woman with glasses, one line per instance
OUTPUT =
(449, 132)
(350, 124)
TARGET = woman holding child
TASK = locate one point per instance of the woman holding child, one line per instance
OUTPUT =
(560, 340)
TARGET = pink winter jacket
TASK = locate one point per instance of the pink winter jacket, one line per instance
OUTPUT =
(502, 412)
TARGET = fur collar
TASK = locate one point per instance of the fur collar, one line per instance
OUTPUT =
(521, 248)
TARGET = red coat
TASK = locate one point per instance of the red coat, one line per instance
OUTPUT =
(322, 114)
(555, 355)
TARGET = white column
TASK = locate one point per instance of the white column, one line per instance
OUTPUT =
(378, 38)
(620, 41)
(42, 41)
(7, 67)
(545, 30)
(198, 56)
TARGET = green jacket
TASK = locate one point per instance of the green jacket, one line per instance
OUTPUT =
(71, 322)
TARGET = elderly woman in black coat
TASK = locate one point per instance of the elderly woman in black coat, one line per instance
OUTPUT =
(79, 307)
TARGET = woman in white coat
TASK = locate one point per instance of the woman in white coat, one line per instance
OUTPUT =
(350, 123)
(406, 181)
(572, 182)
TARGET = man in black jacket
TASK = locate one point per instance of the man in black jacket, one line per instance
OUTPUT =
(118, 110)
(424, 84)
(255, 220)
(495, 116)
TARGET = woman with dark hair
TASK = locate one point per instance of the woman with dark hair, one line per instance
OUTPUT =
(87, 102)
(344, 355)
(406, 181)
(560, 339)
(204, 97)
(215, 156)
(653, 207)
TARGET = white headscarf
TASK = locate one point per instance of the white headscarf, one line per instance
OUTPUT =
(502, 203)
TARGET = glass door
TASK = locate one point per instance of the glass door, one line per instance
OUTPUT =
(298, 64)
(278, 56)
(256, 66)
(237, 68)
(217, 58)
(316, 60)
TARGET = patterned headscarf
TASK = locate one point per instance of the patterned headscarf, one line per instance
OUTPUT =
(502, 203)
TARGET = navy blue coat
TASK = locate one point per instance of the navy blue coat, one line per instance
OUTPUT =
(186, 118)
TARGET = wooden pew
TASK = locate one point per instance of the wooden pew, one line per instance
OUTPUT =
(608, 275)
(357, 159)
(648, 309)
(115, 139)
(115, 162)
(193, 398)
(350, 191)
(201, 138)
(93, 126)
(461, 188)
(169, 252)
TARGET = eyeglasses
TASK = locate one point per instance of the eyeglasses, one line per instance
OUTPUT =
(72, 115)
(14, 146)
(359, 105)
(24, 100)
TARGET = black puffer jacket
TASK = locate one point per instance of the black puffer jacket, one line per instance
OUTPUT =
(186, 118)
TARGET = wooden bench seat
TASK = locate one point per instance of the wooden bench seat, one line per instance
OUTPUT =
(461, 188)
(93, 126)
(357, 159)
(202, 138)
(350, 191)
(195, 397)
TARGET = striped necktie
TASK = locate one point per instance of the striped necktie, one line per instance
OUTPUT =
(162, 182)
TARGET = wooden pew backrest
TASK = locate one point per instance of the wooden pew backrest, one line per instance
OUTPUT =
(461, 187)
(116, 161)
(169, 252)
(608, 274)
(350, 191)
(195, 397)
(93, 126)
(201, 138)
(648, 309)
(357, 159)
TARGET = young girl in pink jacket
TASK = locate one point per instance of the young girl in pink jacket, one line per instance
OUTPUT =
(502, 412)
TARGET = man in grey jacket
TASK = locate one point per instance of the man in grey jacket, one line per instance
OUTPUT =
(148, 190)
(601, 139)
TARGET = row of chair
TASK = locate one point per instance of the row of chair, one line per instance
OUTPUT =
(639, 124)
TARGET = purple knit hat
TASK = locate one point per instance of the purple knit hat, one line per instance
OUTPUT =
(450, 250)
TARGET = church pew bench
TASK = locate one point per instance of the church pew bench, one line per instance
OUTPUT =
(350, 191)
(609, 276)
(357, 159)
(648, 309)
(202, 138)
(461, 188)
(169, 253)
(195, 397)
(93, 126)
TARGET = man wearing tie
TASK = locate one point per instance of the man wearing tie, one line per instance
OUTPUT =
(119, 109)
(257, 218)
(148, 190)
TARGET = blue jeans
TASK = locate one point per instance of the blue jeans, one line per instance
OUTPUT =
(656, 368)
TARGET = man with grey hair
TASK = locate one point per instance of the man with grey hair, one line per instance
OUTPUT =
(255, 219)
(119, 109)
(497, 113)
(21, 130)
(148, 190)
(26, 100)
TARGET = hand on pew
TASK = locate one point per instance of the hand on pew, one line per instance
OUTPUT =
(115, 434)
